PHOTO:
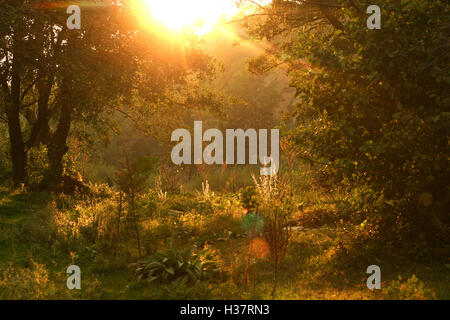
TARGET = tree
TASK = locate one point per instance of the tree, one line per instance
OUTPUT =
(131, 180)
(56, 82)
(374, 106)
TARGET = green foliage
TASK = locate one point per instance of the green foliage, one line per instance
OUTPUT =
(132, 177)
(37, 165)
(183, 202)
(319, 217)
(63, 230)
(73, 84)
(182, 289)
(248, 198)
(411, 289)
(26, 283)
(171, 265)
(373, 112)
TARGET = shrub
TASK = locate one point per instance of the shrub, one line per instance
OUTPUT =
(276, 235)
(185, 202)
(411, 289)
(248, 198)
(172, 265)
(26, 283)
(318, 217)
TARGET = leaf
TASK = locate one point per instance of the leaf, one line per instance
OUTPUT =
(170, 271)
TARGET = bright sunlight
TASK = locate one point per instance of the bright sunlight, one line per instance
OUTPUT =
(203, 15)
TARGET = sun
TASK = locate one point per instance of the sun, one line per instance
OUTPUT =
(202, 15)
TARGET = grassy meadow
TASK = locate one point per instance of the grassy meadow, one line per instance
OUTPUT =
(42, 234)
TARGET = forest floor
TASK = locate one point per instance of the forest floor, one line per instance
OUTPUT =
(41, 235)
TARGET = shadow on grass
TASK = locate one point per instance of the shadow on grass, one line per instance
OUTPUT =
(17, 204)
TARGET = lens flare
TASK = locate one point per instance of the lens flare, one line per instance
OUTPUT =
(259, 248)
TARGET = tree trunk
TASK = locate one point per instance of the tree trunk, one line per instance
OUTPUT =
(40, 130)
(57, 147)
(135, 220)
(17, 146)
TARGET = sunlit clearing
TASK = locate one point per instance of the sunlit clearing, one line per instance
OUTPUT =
(202, 15)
